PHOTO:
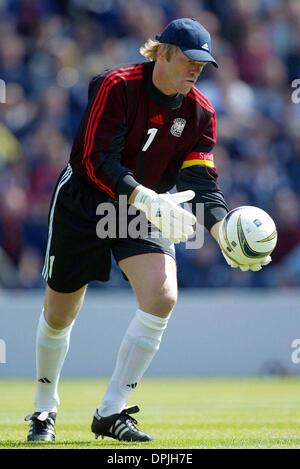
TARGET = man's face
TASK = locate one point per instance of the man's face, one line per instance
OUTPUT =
(181, 73)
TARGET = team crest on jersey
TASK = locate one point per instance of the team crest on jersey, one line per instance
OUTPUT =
(178, 126)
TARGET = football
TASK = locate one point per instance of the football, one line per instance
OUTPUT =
(247, 235)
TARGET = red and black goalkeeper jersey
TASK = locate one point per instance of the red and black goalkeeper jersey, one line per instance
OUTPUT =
(132, 133)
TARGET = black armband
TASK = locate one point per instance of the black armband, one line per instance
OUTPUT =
(203, 181)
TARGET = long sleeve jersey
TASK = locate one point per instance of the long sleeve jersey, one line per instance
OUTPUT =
(132, 134)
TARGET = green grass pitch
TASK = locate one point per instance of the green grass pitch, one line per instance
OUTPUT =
(179, 413)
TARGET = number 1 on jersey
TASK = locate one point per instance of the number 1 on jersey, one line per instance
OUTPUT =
(151, 133)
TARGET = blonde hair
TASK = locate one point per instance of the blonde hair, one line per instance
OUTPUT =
(150, 49)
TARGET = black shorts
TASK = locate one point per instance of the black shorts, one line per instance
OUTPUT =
(75, 254)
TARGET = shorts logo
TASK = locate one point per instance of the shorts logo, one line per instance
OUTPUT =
(178, 126)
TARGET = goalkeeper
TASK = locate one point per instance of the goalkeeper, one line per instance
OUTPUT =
(146, 128)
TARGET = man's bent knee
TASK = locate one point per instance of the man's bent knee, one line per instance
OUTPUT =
(61, 309)
(159, 303)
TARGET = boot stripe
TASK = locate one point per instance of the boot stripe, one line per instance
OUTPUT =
(120, 436)
(120, 428)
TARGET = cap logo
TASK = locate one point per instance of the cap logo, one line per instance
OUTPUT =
(178, 126)
(205, 46)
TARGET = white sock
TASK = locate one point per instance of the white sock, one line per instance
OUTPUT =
(138, 347)
(51, 349)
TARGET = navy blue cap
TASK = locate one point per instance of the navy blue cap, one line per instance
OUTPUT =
(191, 38)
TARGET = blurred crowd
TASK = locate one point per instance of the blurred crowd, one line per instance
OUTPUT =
(50, 49)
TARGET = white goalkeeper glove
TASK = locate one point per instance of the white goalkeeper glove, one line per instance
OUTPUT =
(163, 211)
(254, 267)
